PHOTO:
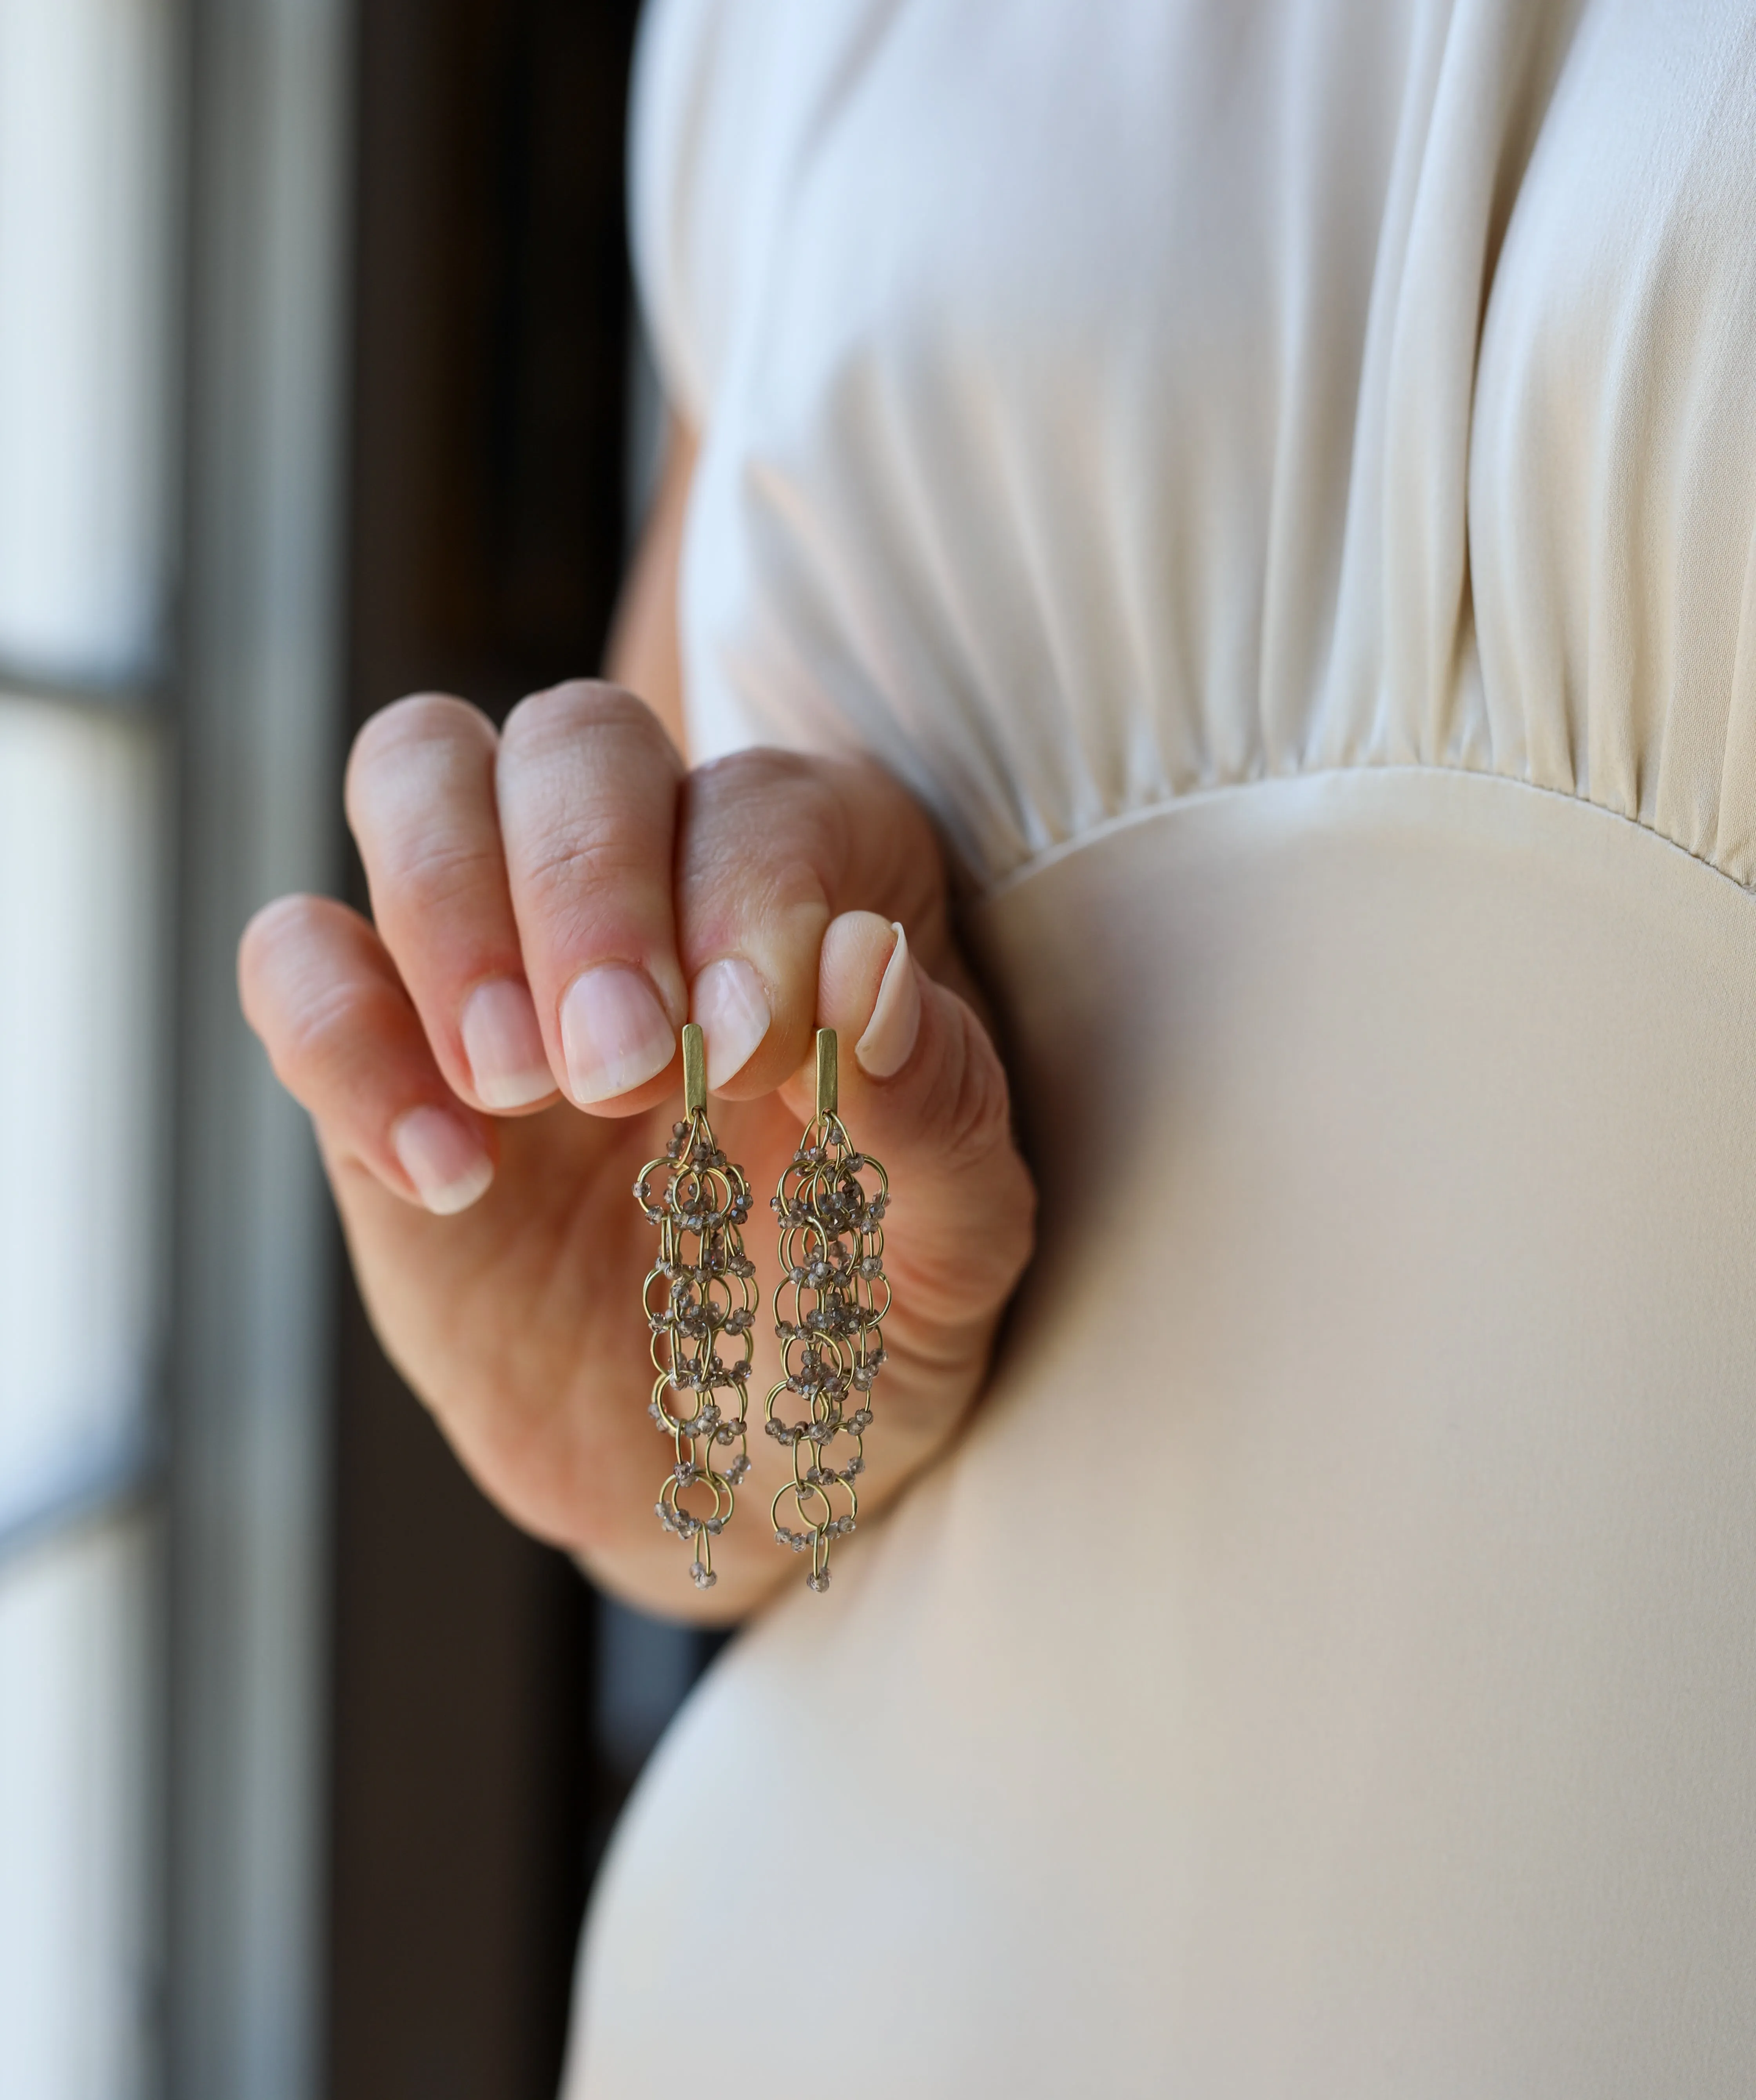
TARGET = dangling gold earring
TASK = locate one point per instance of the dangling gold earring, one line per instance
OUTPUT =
(831, 1296)
(705, 1202)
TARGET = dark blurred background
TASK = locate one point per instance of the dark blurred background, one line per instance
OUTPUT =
(488, 1712)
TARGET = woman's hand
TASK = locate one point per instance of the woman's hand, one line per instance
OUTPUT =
(490, 1064)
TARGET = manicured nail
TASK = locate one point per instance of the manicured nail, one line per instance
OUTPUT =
(613, 1032)
(443, 1157)
(504, 1045)
(732, 1011)
(890, 1034)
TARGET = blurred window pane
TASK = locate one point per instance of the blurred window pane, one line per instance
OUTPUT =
(80, 1197)
(76, 1990)
(84, 284)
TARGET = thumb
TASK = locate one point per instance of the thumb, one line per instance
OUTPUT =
(923, 1091)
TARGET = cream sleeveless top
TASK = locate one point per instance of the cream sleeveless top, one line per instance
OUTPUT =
(1279, 482)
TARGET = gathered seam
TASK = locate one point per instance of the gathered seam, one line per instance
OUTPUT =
(1147, 812)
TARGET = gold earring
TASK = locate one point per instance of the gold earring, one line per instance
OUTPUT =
(705, 1201)
(831, 1296)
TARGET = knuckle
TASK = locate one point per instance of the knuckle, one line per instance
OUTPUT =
(286, 920)
(761, 769)
(560, 862)
(332, 1029)
(408, 760)
(780, 786)
(279, 938)
(777, 805)
(432, 875)
(562, 713)
(977, 1101)
(418, 719)
(306, 990)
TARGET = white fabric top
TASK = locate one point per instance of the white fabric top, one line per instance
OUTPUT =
(1280, 482)
(1103, 403)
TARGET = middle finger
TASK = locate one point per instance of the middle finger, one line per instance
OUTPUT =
(587, 783)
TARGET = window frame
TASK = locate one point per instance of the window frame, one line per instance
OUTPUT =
(256, 705)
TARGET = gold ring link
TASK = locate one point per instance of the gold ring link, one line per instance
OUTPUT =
(709, 1298)
(828, 1313)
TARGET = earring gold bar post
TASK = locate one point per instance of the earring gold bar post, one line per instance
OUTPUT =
(695, 1070)
(827, 1087)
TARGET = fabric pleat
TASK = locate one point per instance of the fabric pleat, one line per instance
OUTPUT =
(1096, 414)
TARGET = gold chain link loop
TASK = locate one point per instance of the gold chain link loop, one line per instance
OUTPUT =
(829, 1304)
(700, 1291)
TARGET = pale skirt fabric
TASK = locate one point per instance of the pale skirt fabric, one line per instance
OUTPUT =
(1280, 482)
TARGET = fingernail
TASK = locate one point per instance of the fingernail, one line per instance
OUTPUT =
(443, 1157)
(504, 1045)
(732, 1011)
(614, 1033)
(890, 1034)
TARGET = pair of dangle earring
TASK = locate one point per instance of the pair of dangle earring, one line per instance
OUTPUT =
(700, 1300)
